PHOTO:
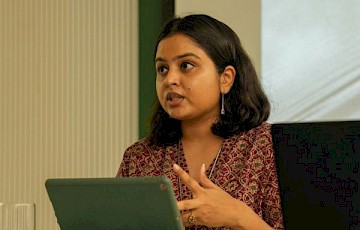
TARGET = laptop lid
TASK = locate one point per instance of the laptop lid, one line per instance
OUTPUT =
(319, 174)
(114, 203)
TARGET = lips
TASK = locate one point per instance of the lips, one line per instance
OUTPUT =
(174, 99)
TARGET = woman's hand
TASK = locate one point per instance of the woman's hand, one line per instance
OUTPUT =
(213, 207)
(210, 206)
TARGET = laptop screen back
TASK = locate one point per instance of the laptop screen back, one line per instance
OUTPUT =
(114, 203)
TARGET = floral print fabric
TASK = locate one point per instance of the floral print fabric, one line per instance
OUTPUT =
(245, 169)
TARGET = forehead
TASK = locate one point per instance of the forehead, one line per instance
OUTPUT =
(177, 44)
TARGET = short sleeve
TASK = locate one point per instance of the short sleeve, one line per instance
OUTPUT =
(123, 170)
(272, 212)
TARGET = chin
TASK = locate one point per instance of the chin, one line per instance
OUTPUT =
(176, 115)
(179, 113)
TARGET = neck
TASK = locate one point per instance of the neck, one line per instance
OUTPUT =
(198, 132)
(200, 146)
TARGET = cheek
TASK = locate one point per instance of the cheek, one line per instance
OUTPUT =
(160, 95)
(206, 86)
(158, 90)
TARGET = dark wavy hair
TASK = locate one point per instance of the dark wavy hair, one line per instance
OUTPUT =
(246, 105)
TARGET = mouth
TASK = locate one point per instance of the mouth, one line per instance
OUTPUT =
(174, 99)
(173, 96)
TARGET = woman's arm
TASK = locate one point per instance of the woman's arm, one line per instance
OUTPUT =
(123, 170)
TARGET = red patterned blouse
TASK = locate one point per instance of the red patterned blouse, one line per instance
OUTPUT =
(245, 169)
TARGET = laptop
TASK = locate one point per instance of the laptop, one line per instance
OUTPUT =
(114, 203)
(318, 165)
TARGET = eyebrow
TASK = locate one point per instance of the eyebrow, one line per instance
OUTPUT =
(189, 54)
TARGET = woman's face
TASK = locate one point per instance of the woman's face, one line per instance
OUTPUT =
(187, 82)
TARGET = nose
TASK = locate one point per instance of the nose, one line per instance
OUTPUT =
(172, 78)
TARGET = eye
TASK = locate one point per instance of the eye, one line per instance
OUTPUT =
(161, 69)
(186, 66)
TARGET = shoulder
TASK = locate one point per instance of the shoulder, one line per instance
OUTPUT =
(254, 142)
(142, 148)
(263, 129)
(139, 147)
(259, 133)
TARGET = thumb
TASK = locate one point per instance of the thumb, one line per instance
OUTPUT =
(204, 181)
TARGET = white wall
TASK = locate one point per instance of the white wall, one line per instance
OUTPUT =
(311, 59)
(68, 94)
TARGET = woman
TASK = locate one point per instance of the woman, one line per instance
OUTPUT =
(209, 134)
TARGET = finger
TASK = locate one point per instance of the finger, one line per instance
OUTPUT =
(189, 219)
(192, 184)
(204, 181)
(184, 205)
(184, 218)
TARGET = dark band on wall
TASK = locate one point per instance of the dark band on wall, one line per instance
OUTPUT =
(167, 10)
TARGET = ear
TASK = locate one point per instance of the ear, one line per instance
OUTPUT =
(227, 79)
